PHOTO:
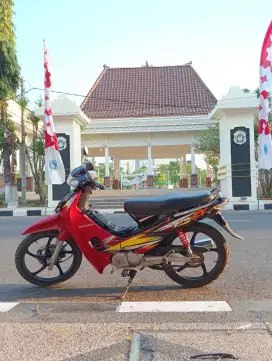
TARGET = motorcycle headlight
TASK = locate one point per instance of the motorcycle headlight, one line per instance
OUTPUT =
(72, 182)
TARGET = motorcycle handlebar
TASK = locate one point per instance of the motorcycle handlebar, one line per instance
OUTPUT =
(97, 185)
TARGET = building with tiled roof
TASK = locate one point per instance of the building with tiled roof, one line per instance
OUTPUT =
(154, 113)
(148, 91)
(147, 112)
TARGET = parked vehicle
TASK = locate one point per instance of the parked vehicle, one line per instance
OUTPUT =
(158, 240)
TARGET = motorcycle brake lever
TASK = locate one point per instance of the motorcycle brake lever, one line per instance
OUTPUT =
(214, 355)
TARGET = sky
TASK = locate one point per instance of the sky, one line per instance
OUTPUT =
(222, 38)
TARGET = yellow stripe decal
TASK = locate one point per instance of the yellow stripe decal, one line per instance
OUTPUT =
(139, 239)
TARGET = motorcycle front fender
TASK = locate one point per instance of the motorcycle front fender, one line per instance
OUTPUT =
(50, 223)
(219, 219)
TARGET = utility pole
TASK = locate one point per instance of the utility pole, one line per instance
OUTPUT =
(22, 146)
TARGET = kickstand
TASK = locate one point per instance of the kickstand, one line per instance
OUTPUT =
(132, 275)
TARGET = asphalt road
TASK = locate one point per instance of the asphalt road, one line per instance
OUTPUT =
(247, 277)
(89, 301)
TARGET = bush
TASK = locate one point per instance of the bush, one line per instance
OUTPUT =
(2, 199)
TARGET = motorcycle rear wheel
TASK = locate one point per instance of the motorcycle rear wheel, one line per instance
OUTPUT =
(174, 272)
(42, 255)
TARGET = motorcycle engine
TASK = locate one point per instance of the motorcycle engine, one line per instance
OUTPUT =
(125, 260)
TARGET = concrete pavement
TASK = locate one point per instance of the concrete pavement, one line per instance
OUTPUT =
(175, 346)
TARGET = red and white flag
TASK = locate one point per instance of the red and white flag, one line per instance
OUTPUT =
(265, 143)
(54, 168)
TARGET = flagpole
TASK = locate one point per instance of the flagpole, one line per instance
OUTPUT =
(258, 195)
(46, 200)
(54, 167)
(46, 188)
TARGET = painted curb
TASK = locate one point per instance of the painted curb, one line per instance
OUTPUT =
(42, 212)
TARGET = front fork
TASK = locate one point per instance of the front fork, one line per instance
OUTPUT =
(55, 255)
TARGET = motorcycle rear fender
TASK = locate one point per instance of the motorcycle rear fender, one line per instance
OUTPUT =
(50, 223)
(219, 219)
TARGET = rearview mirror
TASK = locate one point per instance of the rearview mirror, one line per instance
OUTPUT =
(85, 150)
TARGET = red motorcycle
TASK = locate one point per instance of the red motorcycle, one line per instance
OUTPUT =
(159, 238)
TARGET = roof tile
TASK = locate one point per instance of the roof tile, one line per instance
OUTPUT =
(148, 91)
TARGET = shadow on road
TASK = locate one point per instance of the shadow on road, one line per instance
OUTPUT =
(19, 292)
(150, 349)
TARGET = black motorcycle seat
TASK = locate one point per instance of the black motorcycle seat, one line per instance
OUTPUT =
(168, 203)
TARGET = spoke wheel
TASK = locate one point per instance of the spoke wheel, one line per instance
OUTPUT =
(179, 273)
(34, 253)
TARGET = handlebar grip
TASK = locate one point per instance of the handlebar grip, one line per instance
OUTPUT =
(98, 185)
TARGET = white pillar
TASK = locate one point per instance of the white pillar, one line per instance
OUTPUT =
(116, 168)
(68, 119)
(107, 167)
(193, 166)
(235, 113)
(149, 157)
(182, 166)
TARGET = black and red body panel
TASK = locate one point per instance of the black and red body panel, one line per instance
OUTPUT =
(98, 243)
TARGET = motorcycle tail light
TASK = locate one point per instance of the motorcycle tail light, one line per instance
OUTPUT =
(222, 204)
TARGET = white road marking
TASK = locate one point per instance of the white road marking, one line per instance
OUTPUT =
(237, 220)
(190, 306)
(7, 306)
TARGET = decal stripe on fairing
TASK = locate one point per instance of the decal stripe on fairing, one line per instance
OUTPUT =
(134, 241)
(140, 245)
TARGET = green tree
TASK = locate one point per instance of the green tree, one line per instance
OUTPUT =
(100, 170)
(162, 174)
(174, 170)
(35, 151)
(35, 155)
(208, 143)
(143, 169)
(9, 83)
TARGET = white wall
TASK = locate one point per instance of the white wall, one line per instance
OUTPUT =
(236, 109)
(138, 139)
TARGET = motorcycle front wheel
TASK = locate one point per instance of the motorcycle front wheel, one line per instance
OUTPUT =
(34, 252)
(198, 274)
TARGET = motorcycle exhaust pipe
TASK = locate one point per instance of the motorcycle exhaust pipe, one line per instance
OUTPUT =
(153, 261)
(207, 242)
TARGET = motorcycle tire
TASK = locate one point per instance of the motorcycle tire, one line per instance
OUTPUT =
(216, 272)
(47, 282)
